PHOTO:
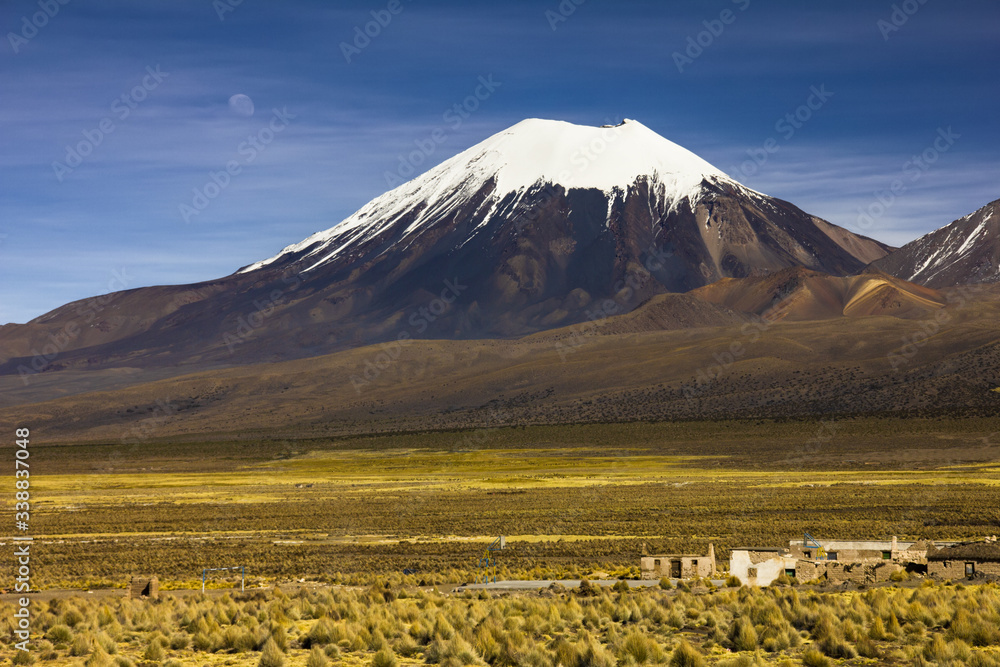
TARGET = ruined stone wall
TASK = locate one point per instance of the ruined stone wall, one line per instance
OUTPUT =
(144, 586)
(955, 569)
(864, 572)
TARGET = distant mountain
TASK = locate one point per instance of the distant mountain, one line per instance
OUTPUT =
(801, 294)
(611, 370)
(546, 208)
(965, 252)
(544, 225)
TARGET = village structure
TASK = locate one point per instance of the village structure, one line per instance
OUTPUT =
(804, 560)
(864, 562)
(678, 566)
(968, 561)
(841, 561)
(144, 587)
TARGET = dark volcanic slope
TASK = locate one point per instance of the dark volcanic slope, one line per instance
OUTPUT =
(946, 364)
(965, 252)
(512, 237)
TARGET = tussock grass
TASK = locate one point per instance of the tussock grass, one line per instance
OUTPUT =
(937, 624)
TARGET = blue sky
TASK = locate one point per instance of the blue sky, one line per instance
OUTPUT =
(114, 219)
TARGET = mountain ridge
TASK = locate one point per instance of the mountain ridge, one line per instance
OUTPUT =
(643, 217)
(966, 251)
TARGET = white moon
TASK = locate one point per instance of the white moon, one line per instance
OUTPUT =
(241, 104)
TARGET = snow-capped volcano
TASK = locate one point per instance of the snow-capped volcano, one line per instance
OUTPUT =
(544, 225)
(509, 165)
(547, 218)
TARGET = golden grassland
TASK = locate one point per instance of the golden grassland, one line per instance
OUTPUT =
(574, 500)
(835, 442)
(350, 514)
(390, 625)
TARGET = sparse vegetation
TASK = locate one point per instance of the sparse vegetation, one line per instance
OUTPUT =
(264, 515)
(318, 626)
(577, 514)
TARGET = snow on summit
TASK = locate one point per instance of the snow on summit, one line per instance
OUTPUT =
(532, 153)
(577, 156)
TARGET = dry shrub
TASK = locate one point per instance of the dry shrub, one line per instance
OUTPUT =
(563, 652)
(867, 649)
(406, 646)
(271, 656)
(109, 645)
(60, 634)
(384, 658)
(742, 635)
(980, 659)
(641, 648)
(593, 654)
(452, 651)
(72, 617)
(99, 659)
(82, 645)
(813, 658)
(317, 658)
(23, 658)
(154, 652)
(686, 655)
(238, 639)
(973, 630)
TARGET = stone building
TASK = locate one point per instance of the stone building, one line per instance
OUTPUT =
(853, 551)
(678, 566)
(972, 560)
(855, 561)
(143, 587)
(760, 566)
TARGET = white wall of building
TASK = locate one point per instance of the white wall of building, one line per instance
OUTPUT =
(768, 570)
